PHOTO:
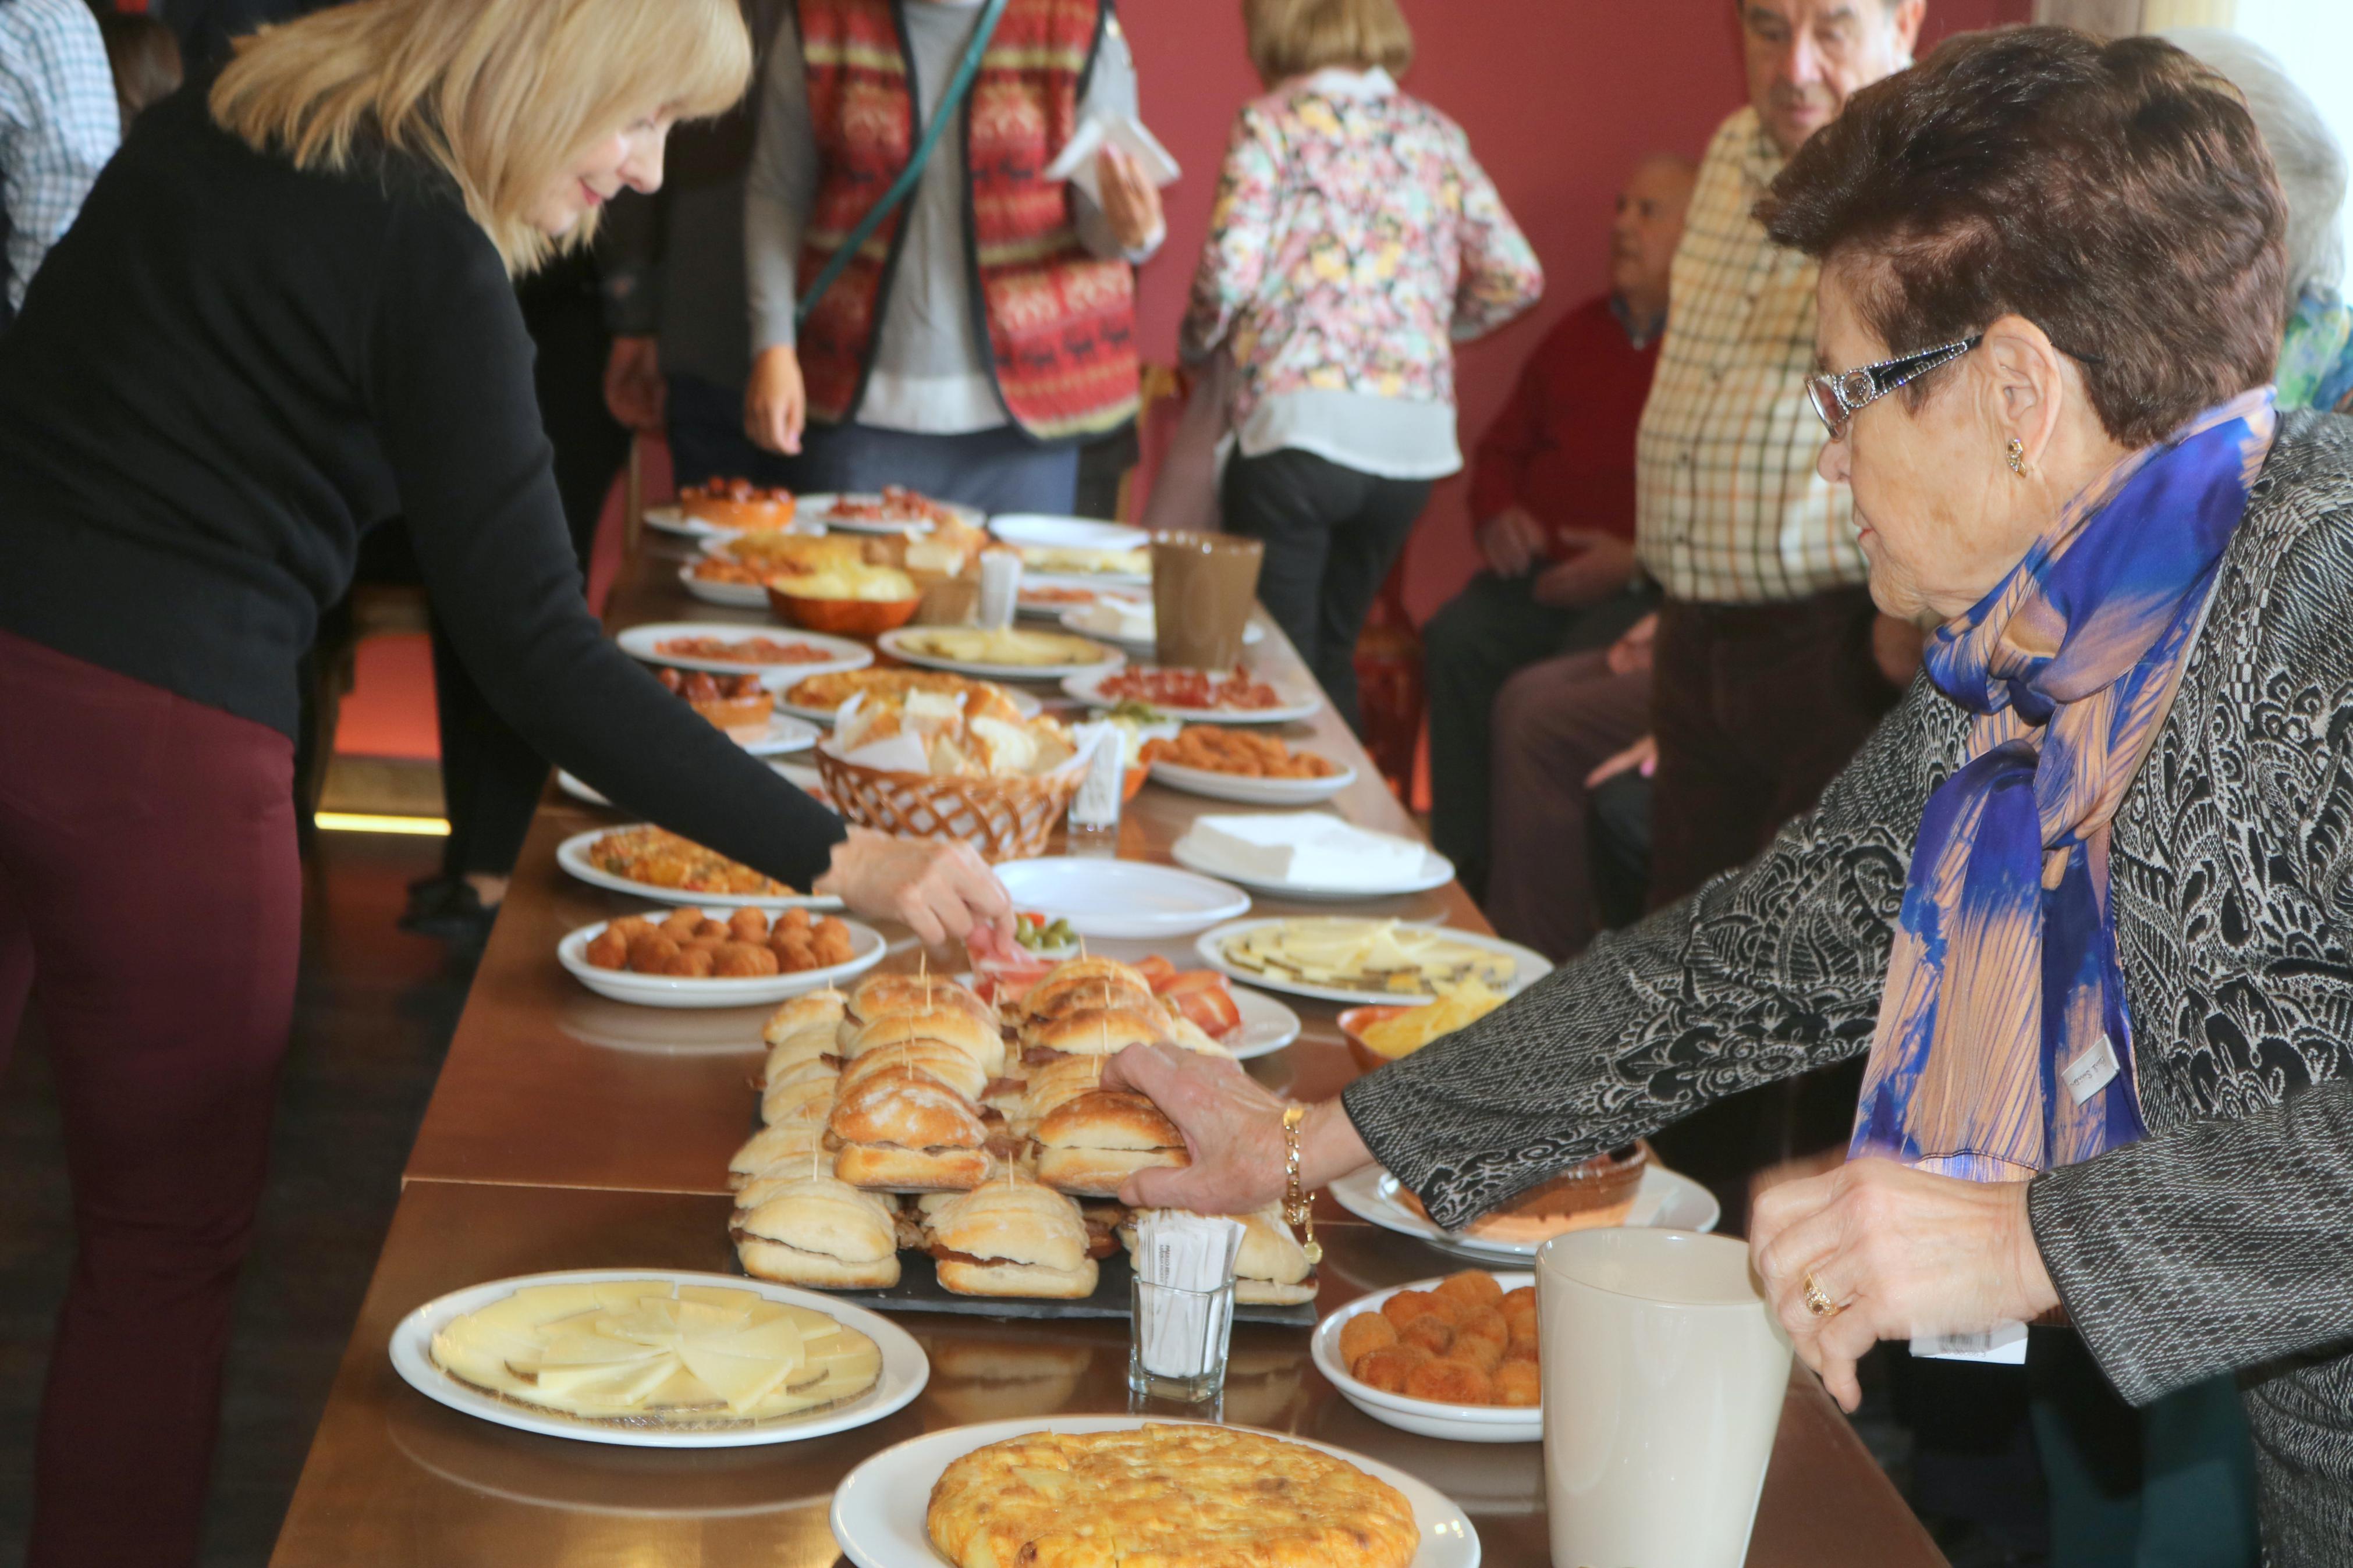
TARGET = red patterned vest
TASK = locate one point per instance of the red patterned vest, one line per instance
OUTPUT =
(1062, 322)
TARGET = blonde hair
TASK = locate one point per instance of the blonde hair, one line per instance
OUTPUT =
(1292, 37)
(500, 95)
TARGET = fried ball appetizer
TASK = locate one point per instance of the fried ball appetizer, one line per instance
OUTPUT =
(1485, 1354)
(1484, 1324)
(1450, 1383)
(1521, 1350)
(1430, 1334)
(680, 923)
(610, 949)
(1471, 1288)
(688, 963)
(748, 925)
(1523, 1299)
(1363, 1334)
(709, 929)
(650, 950)
(1518, 1383)
(1407, 1305)
(1387, 1369)
(628, 926)
(741, 960)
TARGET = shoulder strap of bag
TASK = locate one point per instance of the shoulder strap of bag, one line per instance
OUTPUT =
(966, 69)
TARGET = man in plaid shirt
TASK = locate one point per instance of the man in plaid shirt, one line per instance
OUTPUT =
(59, 126)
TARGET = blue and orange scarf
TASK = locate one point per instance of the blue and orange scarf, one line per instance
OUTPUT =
(2003, 998)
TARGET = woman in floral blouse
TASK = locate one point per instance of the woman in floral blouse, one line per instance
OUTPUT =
(1354, 241)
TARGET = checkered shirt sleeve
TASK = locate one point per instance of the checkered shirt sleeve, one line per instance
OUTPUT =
(1729, 508)
(58, 124)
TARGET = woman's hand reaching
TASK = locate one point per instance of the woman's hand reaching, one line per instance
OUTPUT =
(1233, 1131)
(940, 887)
(1899, 1253)
(775, 403)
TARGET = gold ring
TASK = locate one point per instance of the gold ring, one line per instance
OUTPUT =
(1818, 1301)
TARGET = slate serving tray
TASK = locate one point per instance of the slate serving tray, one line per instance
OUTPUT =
(919, 1290)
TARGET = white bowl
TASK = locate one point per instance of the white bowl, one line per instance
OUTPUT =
(866, 947)
(1458, 1423)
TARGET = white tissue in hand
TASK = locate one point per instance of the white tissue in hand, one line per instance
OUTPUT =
(1310, 849)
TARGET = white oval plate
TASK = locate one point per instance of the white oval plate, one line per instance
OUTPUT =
(672, 519)
(1046, 531)
(1074, 622)
(1085, 687)
(865, 944)
(640, 643)
(894, 643)
(734, 595)
(781, 736)
(1121, 900)
(1533, 966)
(1055, 609)
(578, 788)
(1249, 791)
(819, 507)
(905, 1369)
(1668, 1200)
(573, 856)
(1436, 871)
(880, 1509)
(1459, 1423)
(1087, 579)
(1267, 1025)
(1028, 706)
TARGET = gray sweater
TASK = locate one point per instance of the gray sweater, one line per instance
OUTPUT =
(2221, 1243)
(928, 374)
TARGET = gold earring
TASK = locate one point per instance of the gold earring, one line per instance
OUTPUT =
(2015, 454)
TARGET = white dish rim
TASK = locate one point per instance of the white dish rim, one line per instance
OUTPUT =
(745, 990)
(573, 856)
(892, 642)
(1359, 1192)
(1436, 871)
(1533, 965)
(1237, 901)
(1324, 1348)
(847, 654)
(1084, 687)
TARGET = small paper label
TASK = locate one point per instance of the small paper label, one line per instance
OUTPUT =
(2089, 1073)
(2004, 1344)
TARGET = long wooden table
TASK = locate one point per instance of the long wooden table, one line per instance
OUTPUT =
(568, 1132)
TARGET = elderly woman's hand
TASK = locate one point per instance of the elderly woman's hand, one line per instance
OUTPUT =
(1233, 1130)
(1901, 1252)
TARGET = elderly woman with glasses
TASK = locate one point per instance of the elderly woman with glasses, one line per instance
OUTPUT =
(2085, 899)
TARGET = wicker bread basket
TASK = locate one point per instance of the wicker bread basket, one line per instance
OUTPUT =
(1004, 819)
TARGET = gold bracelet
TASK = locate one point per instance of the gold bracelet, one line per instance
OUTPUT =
(1296, 1209)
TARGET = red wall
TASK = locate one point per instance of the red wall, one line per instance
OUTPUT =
(1559, 97)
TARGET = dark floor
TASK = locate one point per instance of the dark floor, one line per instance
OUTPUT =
(372, 1019)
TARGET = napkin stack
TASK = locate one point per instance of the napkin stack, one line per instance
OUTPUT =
(1184, 1336)
(1308, 849)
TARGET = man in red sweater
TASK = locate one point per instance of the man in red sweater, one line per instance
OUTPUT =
(1552, 490)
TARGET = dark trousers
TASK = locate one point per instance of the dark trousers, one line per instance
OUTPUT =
(490, 776)
(1474, 643)
(707, 440)
(995, 471)
(1330, 536)
(151, 902)
(1755, 707)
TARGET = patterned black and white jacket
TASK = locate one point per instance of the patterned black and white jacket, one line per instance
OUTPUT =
(2221, 1243)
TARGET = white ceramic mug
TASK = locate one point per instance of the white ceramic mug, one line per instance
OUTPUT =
(1663, 1378)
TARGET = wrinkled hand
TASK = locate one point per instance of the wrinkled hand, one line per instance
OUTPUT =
(776, 404)
(1600, 564)
(1131, 202)
(940, 887)
(634, 393)
(1233, 1131)
(1512, 541)
(1902, 1252)
(1630, 654)
(1896, 647)
(1641, 757)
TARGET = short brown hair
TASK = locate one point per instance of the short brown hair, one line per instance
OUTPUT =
(2116, 195)
(1292, 37)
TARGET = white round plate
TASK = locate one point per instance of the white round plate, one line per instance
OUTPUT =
(642, 642)
(1121, 900)
(573, 856)
(1533, 966)
(1301, 705)
(1459, 1423)
(578, 788)
(865, 944)
(1028, 706)
(1045, 530)
(807, 779)
(1044, 609)
(782, 735)
(905, 1369)
(734, 595)
(819, 507)
(879, 1507)
(1436, 871)
(1074, 622)
(672, 519)
(1668, 1200)
(1087, 579)
(1268, 1026)
(1249, 791)
(894, 643)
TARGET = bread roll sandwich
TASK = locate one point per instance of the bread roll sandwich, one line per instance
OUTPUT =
(815, 1010)
(1095, 1031)
(983, 1042)
(1054, 1084)
(821, 1232)
(1091, 1144)
(1084, 982)
(1012, 1238)
(877, 995)
(951, 1065)
(805, 1093)
(797, 1051)
(786, 1147)
(1271, 1269)
(902, 1130)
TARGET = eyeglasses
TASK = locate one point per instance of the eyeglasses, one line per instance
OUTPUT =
(1837, 399)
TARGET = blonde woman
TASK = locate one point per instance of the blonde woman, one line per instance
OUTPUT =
(286, 314)
(1353, 242)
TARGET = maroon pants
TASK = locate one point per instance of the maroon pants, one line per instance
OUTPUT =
(150, 906)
